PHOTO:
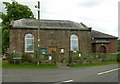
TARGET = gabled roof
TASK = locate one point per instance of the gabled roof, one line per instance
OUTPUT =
(100, 35)
(48, 24)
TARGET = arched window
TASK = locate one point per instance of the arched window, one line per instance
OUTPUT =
(29, 43)
(74, 45)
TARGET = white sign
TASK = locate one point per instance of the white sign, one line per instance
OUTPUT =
(79, 54)
(50, 57)
(62, 50)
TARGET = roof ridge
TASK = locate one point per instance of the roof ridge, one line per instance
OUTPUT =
(48, 24)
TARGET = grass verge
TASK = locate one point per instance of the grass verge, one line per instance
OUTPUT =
(93, 64)
(5, 64)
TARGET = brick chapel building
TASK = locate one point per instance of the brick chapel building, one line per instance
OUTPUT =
(60, 36)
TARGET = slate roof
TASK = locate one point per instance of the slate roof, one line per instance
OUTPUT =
(100, 35)
(58, 24)
(48, 24)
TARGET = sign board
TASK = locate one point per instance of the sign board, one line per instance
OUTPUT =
(80, 55)
(17, 58)
(43, 50)
(50, 58)
(62, 50)
(52, 49)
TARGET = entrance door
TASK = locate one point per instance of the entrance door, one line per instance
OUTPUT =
(102, 49)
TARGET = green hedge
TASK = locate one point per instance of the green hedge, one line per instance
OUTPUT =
(118, 57)
(93, 57)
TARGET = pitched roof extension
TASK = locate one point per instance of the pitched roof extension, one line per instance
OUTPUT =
(100, 35)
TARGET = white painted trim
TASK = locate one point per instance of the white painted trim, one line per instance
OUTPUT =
(108, 71)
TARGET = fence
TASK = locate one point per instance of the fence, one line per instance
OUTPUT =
(74, 57)
(92, 57)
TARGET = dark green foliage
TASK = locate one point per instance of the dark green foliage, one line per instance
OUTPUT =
(118, 57)
(0, 42)
(14, 11)
(12, 55)
(5, 39)
(91, 57)
(118, 45)
(94, 64)
(35, 57)
(26, 58)
(17, 11)
(5, 64)
(46, 56)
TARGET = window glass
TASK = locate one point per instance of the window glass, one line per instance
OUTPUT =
(29, 43)
(74, 43)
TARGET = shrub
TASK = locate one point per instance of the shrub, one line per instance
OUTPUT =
(26, 58)
(35, 57)
(118, 57)
(46, 56)
(11, 55)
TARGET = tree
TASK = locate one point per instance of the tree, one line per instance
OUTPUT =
(118, 45)
(118, 57)
(14, 11)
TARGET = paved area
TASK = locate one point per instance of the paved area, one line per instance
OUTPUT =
(83, 74)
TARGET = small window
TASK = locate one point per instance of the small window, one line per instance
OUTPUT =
(29, 43)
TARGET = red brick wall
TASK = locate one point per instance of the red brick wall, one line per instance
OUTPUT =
(49, 38)
(110, 48)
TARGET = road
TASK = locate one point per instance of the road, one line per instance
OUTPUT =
(108, 73)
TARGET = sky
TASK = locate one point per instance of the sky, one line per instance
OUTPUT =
(101, 15)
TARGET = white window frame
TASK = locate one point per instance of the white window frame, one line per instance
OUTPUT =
(29, 38)
(75, 38)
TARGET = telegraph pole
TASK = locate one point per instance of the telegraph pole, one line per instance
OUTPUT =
(38, 61)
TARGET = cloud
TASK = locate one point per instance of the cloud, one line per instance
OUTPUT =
(90, 3)
(99, 14)
(2, 7)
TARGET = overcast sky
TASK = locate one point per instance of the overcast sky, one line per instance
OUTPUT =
(101, 15)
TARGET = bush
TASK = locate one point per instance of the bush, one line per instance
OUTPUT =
(11, 55)
(26, 58)
(118, 57)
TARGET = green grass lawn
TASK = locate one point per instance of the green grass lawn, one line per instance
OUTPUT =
(93, 64)
(5, 64)
(0, 64)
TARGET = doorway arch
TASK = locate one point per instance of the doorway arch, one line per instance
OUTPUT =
(102, 49)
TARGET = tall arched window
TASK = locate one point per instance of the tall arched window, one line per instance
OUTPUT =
(74, 45)
(29, 43)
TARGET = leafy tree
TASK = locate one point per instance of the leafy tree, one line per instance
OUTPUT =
(14, 11)
(118, 45)
(118, 57)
